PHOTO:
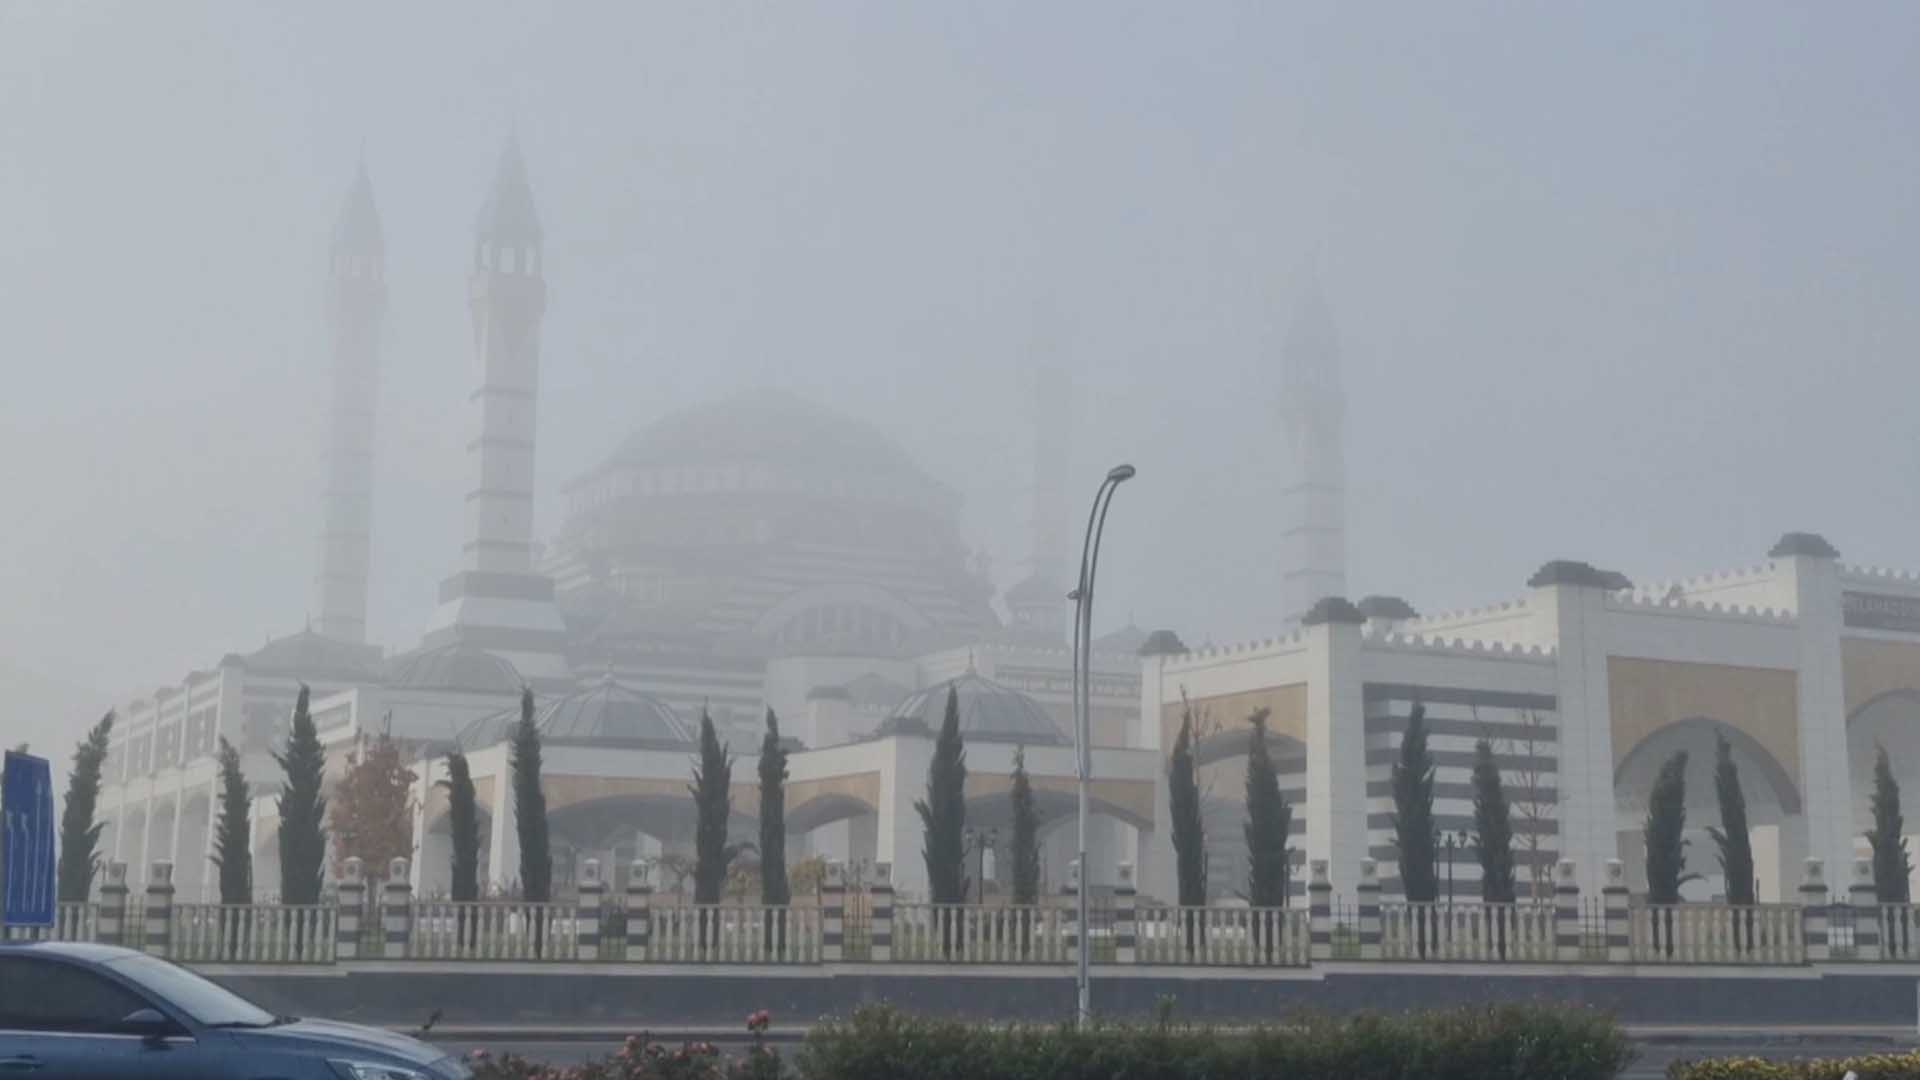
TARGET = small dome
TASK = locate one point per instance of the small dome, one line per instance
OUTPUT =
(989, 712)
(456, 667)
(609, 715)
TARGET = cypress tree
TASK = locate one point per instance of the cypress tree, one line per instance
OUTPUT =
(1492, 827)
(463, 827)
(1268, 820)
(1413, 812)
(712, 791)
(232, 833)
(303, 809)
(1026, 834)
(1666, 821)
(79, 832)
(530, 806)
(774, 888)
(1189, 836)
(1732, 838)
(943, 813)
(1892, 868)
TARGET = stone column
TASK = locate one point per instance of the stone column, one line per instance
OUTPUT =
(1864, 899)
(396, 909)
(1566, 912)
(1619, 913)
(881, 911)
(1815, 919)
(833, 914)
(1336, 805)
(1367, 905)
(110, 926)
(1809, 579)
(1320, 910)
(350, 909)
(159, 909)
(1125, 932)
(586, 922)
(639, 911)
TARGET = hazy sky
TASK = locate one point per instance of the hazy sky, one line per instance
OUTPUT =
(1634, 283)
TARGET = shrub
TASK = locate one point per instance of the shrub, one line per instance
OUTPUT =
(1515, 1042)
(642, 1058)
(1904, 1066)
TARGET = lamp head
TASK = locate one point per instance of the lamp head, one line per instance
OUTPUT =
(1119, 473)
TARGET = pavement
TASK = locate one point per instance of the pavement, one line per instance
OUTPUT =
(1657, 1045)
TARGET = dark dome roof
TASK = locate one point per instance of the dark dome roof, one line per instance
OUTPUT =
(989, 712)
(456, 667)
(769, 427)
(608, 714)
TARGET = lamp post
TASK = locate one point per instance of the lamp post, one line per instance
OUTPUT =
(1082, 597)
(1450, 842)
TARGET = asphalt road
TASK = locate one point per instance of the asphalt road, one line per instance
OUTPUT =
(1656, 1050)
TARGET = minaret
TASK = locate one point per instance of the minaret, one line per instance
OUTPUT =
(356, 304)
(1313, 504)
(497, 602)
(1039, 602)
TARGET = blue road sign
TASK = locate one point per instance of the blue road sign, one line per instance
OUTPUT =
(27, 805)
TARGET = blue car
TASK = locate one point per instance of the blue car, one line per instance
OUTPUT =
(93, 1012)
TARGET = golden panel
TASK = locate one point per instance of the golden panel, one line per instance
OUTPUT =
(1132, 797)
(1871, 668)
(1286, 706)
(565, 791)
(1647, 695)
(863, 787)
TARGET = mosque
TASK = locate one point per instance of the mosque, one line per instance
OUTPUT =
(768, 552)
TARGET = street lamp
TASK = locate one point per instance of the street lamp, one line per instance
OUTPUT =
(1082, 597)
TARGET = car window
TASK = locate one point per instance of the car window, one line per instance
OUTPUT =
(44, 995)
(204, 1001)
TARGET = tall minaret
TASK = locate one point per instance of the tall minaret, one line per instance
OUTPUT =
(356, 303)
(1313, 548)
(1038, 603)
(497, 602)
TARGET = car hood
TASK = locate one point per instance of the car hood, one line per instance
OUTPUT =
(333, 1037)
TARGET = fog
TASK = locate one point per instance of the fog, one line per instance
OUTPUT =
(1633, 284)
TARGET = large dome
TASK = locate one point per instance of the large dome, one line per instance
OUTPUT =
(456, 667)
(989, 712)
(608, 715)
(766, 427)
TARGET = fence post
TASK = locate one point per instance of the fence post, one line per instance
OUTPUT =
(1126, 934)
(1865, 901)
(1366, 899)
(396, 909)
(1070, 927)
(159, 909)
(882, 913)
(833, 914)
(1320, 910)
(351, 906)
(586, 922)
(1566, 913)
(111, 927)
(1815, 920)
(1617, 904)
(639, 911)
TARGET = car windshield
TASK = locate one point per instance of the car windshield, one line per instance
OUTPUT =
(206, 1002)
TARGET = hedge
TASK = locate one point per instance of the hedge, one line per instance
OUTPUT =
(1513, 1042)
(1871, 1067)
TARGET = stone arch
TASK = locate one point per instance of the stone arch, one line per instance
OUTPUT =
(1890, 719)
(1235, 742)
(1772, 795)
(824, 810)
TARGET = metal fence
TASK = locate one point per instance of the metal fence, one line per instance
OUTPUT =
(1483, 933)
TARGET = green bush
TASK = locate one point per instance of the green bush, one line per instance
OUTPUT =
(1872, 1067)
(1500, 1043)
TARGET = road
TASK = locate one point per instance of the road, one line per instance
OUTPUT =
(1657, 1048)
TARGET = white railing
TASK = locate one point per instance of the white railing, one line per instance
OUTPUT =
(1484, 933)
(1899, 931)
(966, 934)
(715, 934)
(1717, 934)
(491, 930)
(72, 921)
(1257, 937)
(252, 933)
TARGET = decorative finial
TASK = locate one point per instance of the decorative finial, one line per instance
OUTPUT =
(970, 667)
